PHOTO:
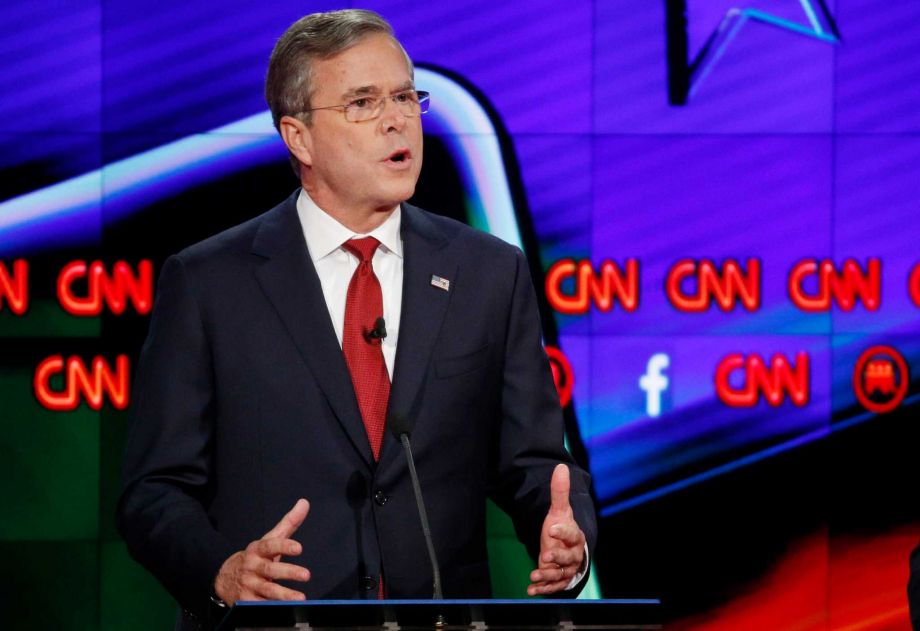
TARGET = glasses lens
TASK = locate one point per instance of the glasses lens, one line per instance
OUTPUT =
(407, 102)
(424, 102)
(363, 109)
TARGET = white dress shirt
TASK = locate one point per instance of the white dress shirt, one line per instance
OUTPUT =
(335, 266)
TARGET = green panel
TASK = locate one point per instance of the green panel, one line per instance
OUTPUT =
(49, 466)
(509, 564)
(49, 585)
(132, 600)
(113, 433)
(46, 319)
(592, 590)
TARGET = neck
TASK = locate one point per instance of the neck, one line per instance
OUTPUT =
(359, 219)
(360, 222)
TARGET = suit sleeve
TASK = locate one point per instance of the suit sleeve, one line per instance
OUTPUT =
(531, 434)
(167, 471)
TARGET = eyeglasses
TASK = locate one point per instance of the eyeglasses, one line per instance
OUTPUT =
(410, 103)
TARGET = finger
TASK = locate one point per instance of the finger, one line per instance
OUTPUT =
(569, 533)
(274, 591)
(246, 593)
(547, 588)
(559, 488)
(251, 587)
(544, 575)
(270, 548)
(563, 557)
(290, 522)
(284, 571)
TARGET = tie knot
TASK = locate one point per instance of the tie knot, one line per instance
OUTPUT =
(363, 248)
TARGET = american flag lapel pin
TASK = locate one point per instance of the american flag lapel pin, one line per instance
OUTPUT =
(440, 283)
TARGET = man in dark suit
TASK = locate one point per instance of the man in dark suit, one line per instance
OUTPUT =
(265, 378)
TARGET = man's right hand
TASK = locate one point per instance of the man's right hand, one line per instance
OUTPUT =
(250, 574)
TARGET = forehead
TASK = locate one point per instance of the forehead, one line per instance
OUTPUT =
(376, 61)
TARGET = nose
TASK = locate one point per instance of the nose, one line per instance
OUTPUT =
(392, 119)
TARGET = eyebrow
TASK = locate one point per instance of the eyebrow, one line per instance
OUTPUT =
(373, 89)
(361, 91)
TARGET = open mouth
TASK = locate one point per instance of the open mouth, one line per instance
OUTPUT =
(400, 155)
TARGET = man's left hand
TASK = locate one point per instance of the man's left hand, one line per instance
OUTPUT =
(562, 543)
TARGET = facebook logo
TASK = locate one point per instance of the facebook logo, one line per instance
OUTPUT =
(654, 382)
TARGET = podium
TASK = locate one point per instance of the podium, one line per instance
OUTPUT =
(443, 615)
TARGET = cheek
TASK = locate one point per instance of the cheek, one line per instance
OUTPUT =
(342, 144)
(419, 141)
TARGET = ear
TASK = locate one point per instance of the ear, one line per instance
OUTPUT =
(297, 137)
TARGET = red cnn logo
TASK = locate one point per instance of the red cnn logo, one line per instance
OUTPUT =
(776, 381)
(726, 287)
(610, 285)
(93, 385)
(843, 287)
(115, 288)
(14, 290)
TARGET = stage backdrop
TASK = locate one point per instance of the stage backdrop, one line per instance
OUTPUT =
(719, 202)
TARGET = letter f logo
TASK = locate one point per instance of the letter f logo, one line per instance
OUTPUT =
(654, 382)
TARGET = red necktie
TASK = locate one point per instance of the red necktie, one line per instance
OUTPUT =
(363, 353)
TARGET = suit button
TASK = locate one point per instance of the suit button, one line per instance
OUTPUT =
(368, 583)
(380, 498)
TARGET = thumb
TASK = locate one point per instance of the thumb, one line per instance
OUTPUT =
(559, 488)
(290, 522)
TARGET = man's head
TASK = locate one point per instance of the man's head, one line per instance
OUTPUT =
(327, 60)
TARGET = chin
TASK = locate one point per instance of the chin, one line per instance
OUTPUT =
(402, 193)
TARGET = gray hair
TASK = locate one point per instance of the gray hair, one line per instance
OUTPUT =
(288, 86)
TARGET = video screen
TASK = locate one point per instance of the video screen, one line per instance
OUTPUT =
(719, 205)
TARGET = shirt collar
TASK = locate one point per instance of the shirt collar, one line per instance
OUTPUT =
(325, 235)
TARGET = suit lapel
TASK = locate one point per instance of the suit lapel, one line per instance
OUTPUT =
(423, 309)
(289, 280)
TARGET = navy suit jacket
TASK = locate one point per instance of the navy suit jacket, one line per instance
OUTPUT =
(243, 403)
